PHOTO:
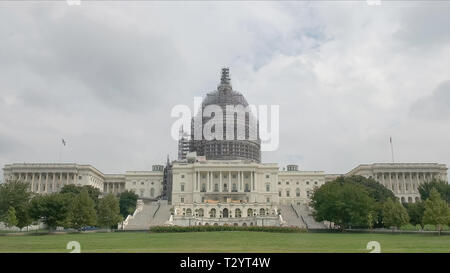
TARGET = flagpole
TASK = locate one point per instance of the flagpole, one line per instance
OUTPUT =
(59, 156)
(392, 149)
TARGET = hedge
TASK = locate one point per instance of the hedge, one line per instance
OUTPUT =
(159, 229)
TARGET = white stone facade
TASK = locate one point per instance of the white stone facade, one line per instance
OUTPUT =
(403, 179)
(218, 192)
(49, 177)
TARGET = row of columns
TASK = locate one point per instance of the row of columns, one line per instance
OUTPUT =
(398, 185)
(210, 181)
(37, 180)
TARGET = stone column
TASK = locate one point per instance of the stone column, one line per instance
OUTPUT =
(46, 182)
(32, 183)
(253, 180)
(40, 180)
(390, 182)
(240, 181)
(208, 181)
(53, 183)
(196, 180)
(220, 182)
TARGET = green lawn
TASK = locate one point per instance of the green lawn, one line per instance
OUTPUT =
(238, 241)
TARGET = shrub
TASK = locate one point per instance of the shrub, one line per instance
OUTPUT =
(159, 229)
(429, 228)
(410, 227)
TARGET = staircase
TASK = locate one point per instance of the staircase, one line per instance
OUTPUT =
(305, 214)
(151, 214)
(290, 217)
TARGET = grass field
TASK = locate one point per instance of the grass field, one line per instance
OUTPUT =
(238, 241)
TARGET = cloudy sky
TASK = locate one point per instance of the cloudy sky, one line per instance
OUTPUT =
(105, 75)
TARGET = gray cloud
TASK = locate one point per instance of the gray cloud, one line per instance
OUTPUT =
(105, 76)
(435, 106)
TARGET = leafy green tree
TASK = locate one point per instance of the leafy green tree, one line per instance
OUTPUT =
(441, 186)
(344, 203)
(415, 212)
(52, 209)
(74, 190)
(82, 211)
(11, 219)
(371, 218)
(437, 211)
(394, 214)
(127, 203)
(375, 190)
(109, 211)
(15, 194)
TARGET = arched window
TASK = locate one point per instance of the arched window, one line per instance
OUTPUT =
(188, 212)
(410, 199)
(403, 199)
(225, 213)
(237, 213)
(249, 212)
(262, 212)
(234, 188)
(200, 212)
(212, 213)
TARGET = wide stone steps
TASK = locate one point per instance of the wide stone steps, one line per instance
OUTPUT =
(152, 214)
(308, 219)
(288, 214)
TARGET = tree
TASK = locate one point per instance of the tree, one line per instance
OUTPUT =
(127, 203)
(82, 211)
(345, 203)
(371, 219)
(74, 190)
(109, 211)
(375, 190)
(441, 186)
(378, 192)
(52, 209)
(15, 194)
(11, 220)
(415, 213)
(437, 211)
(394, 214)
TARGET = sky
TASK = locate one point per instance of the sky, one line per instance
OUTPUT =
(105, 76)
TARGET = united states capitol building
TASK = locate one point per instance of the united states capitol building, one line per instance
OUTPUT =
(221, 182)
